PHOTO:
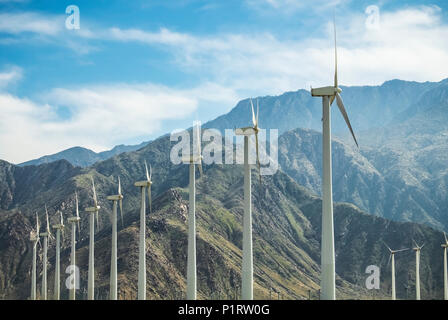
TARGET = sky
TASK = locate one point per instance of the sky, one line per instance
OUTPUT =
(135, 70)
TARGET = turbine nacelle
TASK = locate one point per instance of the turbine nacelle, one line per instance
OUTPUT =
(93, 209)
(58, 226)
(247, 131)
(144, 183)
(325, 91)
(74, 219)
(117, 197)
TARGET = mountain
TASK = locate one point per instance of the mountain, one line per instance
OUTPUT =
(286, 224)
(82, 157)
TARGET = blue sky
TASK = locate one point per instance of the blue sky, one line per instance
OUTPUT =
(138, 69)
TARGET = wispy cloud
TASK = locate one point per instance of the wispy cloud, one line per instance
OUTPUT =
(10, 76)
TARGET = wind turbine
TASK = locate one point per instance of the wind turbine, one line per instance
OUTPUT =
(445, 275)
(47, 234)
(194, 158)
(74, 220)
(417, 249)
(34, 237)
(248, 269)
(329, 94)
(91, 276)
(113, 263)
(57, 278)
(392, 257)
(142, 239)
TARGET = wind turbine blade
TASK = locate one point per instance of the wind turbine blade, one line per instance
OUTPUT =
(121, 212)
(387, 247)
(77, 204)
(388, 261)
(149, 199)
(147, 173)
(344, 114)
(97, 221)
(253, 113)
(258, 154)
(446, 241)
(198, 141)
(335, 54)
(401, 250)
(62, 219)
(258, 111)
(79, 230)
(119, 186)
(95, 200)
(200, 168)
(37, 224)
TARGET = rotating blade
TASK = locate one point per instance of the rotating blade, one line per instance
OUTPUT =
(121, 212)
(258, 112)
(95, 200)
(119, 186)
(198, 140)
(344, 114)
(148, 178)
(200, 168)
(335, 55)
(258, 155)
(77, 204)
(149, 199)
(254, 120)
(446, 241)
(97, 221)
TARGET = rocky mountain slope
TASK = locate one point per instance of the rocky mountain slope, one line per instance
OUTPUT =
(286, 221)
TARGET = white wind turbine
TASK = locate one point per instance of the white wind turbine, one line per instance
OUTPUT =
(329, 94)
(392, 258)
(193, 159)
(34, 238)
(417, 249)
(91, 276)
(445, 275)
(113, 262)
(74, 220)
(142, 239)
(57, 278)
(46, 235)
(248, 269)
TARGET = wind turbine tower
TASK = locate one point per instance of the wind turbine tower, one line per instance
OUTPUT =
(445, 275)
(248, 269)
(46, 235)
(91, 276)
(113, 263)
(34, 238)
(329, 94)
(392, 259)
(417, 250)
(193, 159)
(74, 221)
(142, 239)
(57, 277)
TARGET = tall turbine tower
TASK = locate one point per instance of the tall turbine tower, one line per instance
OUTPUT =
(142, 240)
(248, 269)
(74, 220)
(91, 276)
(329, 94)
(34, 238)
(445, 275)
(417, 249)
(46, 235)
(194, 158)
(113, 262)
(57, 277)
(392, 258)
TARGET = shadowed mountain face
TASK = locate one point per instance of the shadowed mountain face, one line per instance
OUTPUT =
(286, 222)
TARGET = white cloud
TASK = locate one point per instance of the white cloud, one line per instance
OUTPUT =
(100, 116)
(410, 44)
(10, 76)
(16, 23)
